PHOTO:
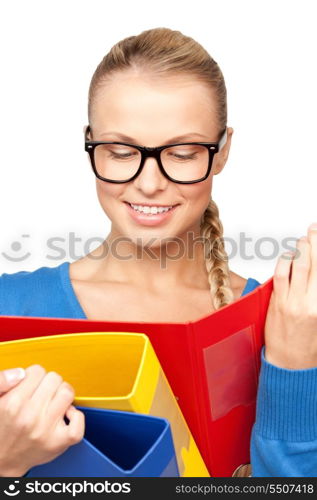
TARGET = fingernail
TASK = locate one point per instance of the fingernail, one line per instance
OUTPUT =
(14, 375)
(313, 227)
(287, 255)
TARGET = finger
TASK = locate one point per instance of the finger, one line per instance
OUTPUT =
(45, 392)
(60, 403)
(10, 378)
(300, 269)
(75, 430)
(33, 377)
(312, 282)
(281, 278)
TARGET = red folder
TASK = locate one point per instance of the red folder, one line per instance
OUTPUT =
(212, 366)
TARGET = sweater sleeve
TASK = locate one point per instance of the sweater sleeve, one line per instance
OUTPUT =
(284, 436)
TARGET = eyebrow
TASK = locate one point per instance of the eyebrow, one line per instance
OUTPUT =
(184, 137)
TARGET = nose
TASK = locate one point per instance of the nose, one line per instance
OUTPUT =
(151, 178)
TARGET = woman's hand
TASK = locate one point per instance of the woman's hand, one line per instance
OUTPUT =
(291, 321)
(32, 426)
(10, 378)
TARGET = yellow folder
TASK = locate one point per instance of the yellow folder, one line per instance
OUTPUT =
(114, 370)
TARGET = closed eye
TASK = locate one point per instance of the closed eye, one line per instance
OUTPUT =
(122, 156)
(184, 157)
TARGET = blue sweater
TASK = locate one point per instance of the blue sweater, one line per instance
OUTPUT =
(284, 436)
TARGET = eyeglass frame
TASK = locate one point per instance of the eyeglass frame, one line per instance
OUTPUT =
(155, 152)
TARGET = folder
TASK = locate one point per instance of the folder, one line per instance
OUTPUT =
(116, 444)
(117, 371)
(212, 365)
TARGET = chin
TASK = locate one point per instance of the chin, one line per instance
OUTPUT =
(149, 237)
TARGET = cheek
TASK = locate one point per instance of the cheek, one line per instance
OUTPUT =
(108, 195)
(198, 195)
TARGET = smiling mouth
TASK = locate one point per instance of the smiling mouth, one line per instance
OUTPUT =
(151, 209)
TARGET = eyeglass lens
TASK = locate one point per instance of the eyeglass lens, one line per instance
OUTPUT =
(182, 163)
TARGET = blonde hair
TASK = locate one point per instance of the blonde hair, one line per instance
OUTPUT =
(164, 52)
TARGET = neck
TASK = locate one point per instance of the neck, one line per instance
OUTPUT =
(175, 264)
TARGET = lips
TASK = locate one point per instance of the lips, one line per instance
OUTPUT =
(165, 205)
(148, 219)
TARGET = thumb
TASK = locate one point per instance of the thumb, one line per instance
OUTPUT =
(9, 378)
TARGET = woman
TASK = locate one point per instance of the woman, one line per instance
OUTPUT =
(157, 89)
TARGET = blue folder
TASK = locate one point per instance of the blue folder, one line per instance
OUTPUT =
(116, 444)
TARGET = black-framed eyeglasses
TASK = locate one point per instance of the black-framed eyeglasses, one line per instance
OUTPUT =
(184, 163)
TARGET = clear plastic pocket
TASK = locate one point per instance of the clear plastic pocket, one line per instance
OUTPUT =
(231, 372)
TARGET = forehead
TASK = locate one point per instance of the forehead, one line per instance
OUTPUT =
(142, 104)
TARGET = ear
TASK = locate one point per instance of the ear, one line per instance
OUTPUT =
(220, 158)
(87, 133)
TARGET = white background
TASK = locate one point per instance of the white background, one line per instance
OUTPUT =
(49, 51)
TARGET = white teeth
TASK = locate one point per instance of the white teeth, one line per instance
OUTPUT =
(150, 210)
